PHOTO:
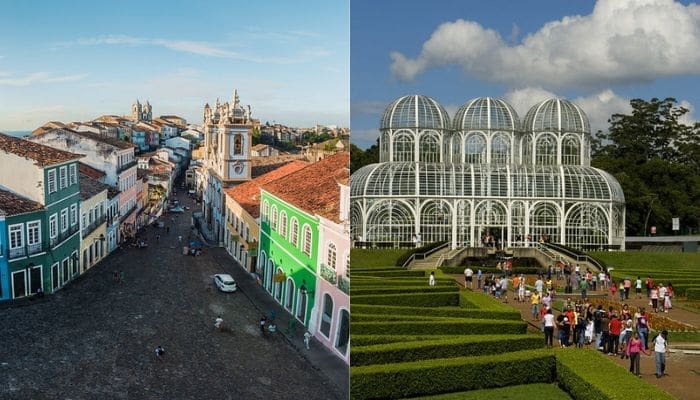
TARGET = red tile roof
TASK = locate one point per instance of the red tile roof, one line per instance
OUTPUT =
(93, 173)
(315, 188)
(14, 204)
(94, 136)
(42, 154)
(248, 194)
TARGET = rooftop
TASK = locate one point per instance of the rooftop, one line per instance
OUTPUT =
(14, 204)
(87, 170)
(248, 194)
(90, 187)
(315, 188)
(42, 154)
(263, 165)
(120, 144)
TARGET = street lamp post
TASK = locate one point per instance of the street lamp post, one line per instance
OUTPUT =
(646, 220)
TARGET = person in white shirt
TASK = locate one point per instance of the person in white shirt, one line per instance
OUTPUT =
(662, 294)
(539, 285)
(431, 280)
(548, 328)
(468, 277)
(218, 322)
(660, 349)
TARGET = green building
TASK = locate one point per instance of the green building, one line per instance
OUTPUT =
(40, 200)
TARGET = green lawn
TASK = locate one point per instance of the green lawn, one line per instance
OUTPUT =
(521, 392)
(645, 263)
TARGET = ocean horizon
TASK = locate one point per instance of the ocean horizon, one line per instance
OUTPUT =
(17, 133)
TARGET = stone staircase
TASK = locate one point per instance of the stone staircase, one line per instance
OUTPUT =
(431, 261)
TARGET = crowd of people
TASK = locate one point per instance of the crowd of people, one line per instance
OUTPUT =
(622, 332)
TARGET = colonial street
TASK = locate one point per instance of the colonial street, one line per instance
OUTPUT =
(96, 338)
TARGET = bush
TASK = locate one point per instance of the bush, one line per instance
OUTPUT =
(360, 317)
(533, 391)
(397, 273)
(491, 270)
(587, 374)
(469, 299)
(454, 312)
(375, 257)
(445, 327)
(380, 282)
(693, 293)
(477, 345)
(450, 375)
(409, 299)
(369, 340)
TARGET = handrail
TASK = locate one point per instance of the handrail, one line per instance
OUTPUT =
(415, 256)
(578, 257)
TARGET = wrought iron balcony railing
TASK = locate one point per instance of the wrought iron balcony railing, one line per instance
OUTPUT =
(62, 236)
(328, 273)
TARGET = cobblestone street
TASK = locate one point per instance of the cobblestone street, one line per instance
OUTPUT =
(95, 339)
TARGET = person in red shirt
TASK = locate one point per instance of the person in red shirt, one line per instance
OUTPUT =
(615, 329)
(650, 284)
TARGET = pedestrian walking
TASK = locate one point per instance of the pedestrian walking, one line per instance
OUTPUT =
(217, 322)
(121, 276)
(548, 328)
(468, 276)
(479, 277)
(635, 347)
(179, 239)
(431, 280)
(263, 322)
(159, 353)
(307, 339)
(660, 350)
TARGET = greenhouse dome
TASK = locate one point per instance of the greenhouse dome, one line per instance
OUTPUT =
(519, 186)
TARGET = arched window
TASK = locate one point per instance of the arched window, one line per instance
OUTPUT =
(429, 148)
(273, 217)
(265, 210)
(546, 150)
(331, 255)
(327, 316)
(500, 150)
(571, 152)
(403, 147)
(283, 224)
(306, 240)
(294, 232)
(526, 148)
(475, 149)
(343, 332)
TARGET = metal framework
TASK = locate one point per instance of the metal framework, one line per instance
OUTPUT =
(485, 174)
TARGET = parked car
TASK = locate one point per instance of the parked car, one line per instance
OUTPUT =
(177, 209)
(225, 282)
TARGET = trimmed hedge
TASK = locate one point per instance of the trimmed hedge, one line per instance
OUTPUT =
(587, 374)
(693, 293)
(450, 375)
(454, 312)
(388, 289)
(449, 327)
(533, 391)
(491, 270)
(397, 273)
(477, 345)
(359, 317)
(409, 299)
(370, 340)
(469, 299)
(383, 282)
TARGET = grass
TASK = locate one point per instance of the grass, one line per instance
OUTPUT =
(681, 337)
(645, 263)
(520, 392)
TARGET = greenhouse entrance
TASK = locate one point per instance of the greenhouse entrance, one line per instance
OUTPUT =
(493, 236)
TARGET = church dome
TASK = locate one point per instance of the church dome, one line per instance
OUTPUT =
(486, 114)
(415, 112)
(556, 115)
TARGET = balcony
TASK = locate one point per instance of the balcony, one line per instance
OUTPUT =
(126, 166)
(26, 250)
(328, 273)
(344, 284)
(94, 225)
(127, 213)
(62, 236)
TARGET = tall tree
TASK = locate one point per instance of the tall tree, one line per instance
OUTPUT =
(359, 158)
(654, 156)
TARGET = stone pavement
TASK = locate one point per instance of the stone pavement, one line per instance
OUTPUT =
(96, 338)
(318, 355)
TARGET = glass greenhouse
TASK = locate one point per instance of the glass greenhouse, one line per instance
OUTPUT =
(482, 175)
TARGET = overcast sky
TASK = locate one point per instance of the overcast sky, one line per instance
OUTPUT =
(75, 60)
(599, 54)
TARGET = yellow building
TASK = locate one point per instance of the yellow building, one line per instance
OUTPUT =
(93, 221)
(242, 227)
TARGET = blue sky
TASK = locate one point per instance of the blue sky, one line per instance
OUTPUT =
(599, 54)
(76, 60)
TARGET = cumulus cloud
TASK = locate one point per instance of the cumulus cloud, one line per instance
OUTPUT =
(598, 106)
(620, 41)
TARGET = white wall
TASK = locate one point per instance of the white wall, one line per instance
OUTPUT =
(20, 175)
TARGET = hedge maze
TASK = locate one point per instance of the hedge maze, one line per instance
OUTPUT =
(410, 340)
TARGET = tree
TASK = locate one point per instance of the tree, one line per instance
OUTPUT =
(656, 159)
(359, 158)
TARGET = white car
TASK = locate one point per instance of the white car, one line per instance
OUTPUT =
(225, 282)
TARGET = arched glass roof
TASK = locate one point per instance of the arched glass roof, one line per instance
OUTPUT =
(436, 180)
(556, 115)
(486, 113)
(415, 111)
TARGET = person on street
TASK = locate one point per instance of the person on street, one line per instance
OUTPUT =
(263, 322)
(431, 279)
(660, 350)
(307, 339)
(635, 347)
(548, 328)
(218, 322)
(159, 353)
(468, 276)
